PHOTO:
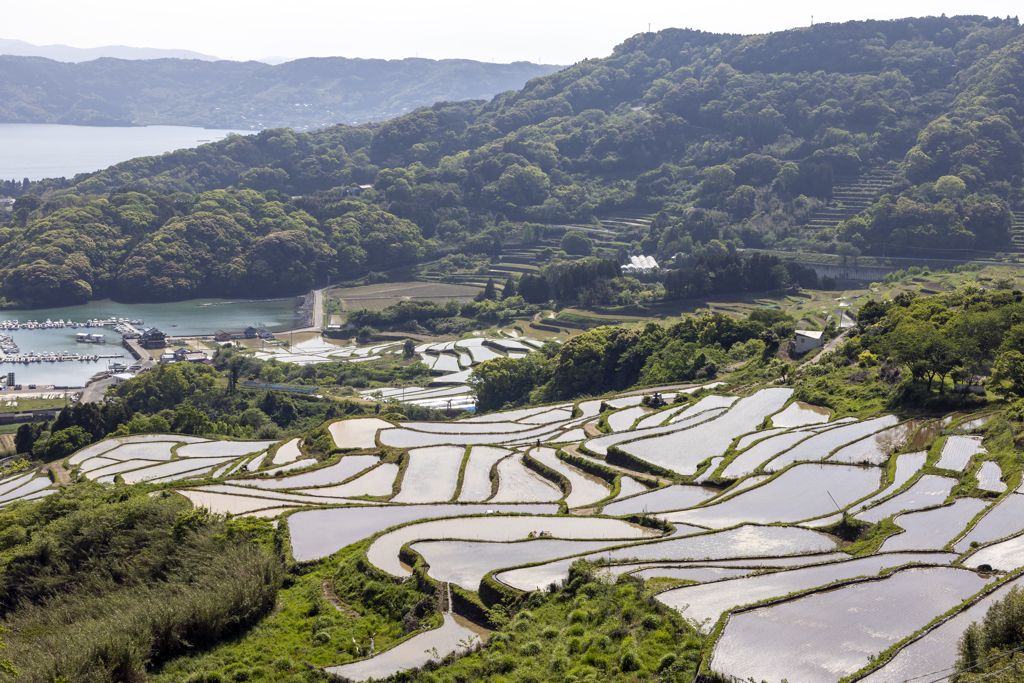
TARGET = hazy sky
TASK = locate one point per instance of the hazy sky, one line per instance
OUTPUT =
(548, 31)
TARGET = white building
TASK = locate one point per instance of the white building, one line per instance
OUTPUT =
(806, 340)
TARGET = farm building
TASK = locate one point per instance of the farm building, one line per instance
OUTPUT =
(807, 340)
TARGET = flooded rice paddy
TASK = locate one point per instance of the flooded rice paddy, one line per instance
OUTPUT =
(1004, 519)
(720, 547)
(383, 552)
(705, 603)
(675, 497)
(933, 529)
(801, 492)
(825, 636)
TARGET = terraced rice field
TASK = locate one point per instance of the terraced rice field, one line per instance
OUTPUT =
(1003, 519)
(383, 552)
(359, 433)
(476, 481)
(432, 475)
(957, 452)
(659, 500)
(724, 542)
(800, 414)
(825, 636)
(586, 489)
(705, 603)
(519, 484)
(682, 451)
(933, 529)
(929, 490)
(936, 650)
(802, 492)
(819, 446)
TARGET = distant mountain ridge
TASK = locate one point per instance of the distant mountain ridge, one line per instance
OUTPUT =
(66, 53)
(304, 94)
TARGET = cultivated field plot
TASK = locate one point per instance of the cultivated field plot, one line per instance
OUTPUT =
(933, 529)
(800, 414)
(929, 490)
(432, 475)
(383, 552)
(519, 484)
(466, 562)
(824, 636)
(359, 433)
(415, 652)
(957, 452)
(746, 541)
(801, 492)
(819, 446)
(705, 603)
(659, 500)
(380, 296)
(1003, 519)
(476, 480)
(585, 488)
(754, 525)
(682, 451)
(936, 650)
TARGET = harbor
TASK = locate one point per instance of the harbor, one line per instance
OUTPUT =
(69, 346)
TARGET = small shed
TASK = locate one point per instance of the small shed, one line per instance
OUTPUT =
(807, 340)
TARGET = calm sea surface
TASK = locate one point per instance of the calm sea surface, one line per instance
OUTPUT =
(181, 318)
(39, 150)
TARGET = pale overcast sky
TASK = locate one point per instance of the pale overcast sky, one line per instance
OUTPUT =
(547, 31)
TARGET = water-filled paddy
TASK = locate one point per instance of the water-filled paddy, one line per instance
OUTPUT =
(746, 541)
(877, 448)
(169, 470)
(957, 452)
(705, 603)
(628, 486)
(222, 448)
(1004, 519)
(761, 452)
(348, 466)
(287, 452)
(432, 475)
(411, 653)
(801, 492)
(476, 480)
(747, 440)
(159, 451)
(819, 446)
(699, 574)
(383, 552)
(989, 477)
(358, 433)
(319, 533)
(929, 490)
(466, 562)
(93, 450)
(683, 451)
(907, 466)
(622, 420)
(585, 488)
(933, 529)
(27, 488)
(1005, 555)
(377, 482)
(800, 414)
(601, 444)
(825, 636)
(676, 497)
(519, 484)
(937, 649)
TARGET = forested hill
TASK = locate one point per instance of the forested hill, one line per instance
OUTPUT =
(733, 141)
(302, 94)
